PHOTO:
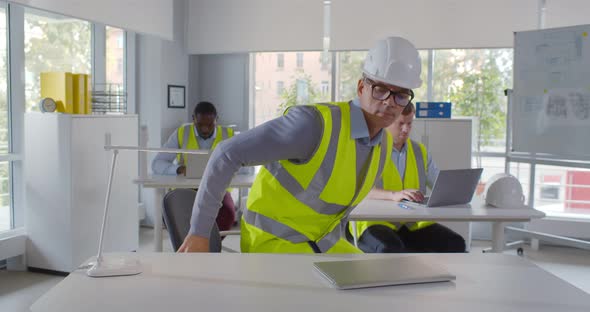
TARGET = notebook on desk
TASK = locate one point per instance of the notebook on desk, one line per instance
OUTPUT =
(452, 187)
(196, 164)
(350, 274)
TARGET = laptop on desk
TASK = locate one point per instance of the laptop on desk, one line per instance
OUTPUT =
(452, 187)
(350, 274)
(196, 164)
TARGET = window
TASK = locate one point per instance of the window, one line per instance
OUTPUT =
(474, 81)
(5, 173)
(562, 191)
(325, 87)
(280, 87)
(302, 95)
(115, 56)
(298, 86)
(53, 43)
(280, 61)
(324, 61)
(299, 60)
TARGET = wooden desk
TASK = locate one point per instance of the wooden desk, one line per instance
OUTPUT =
(384, 210)
(267, 282)
(161, 183)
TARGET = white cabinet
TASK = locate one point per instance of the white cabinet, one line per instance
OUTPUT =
(449, 142)
(66, 173)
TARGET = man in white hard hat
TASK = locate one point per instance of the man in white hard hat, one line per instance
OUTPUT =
(319, 162)
(406, 174)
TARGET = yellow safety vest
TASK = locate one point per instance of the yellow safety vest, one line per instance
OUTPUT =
(414, 178)
(187, 138)
(294, 206)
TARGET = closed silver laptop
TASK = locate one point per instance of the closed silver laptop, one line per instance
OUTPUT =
(196, 164)
(350, 274)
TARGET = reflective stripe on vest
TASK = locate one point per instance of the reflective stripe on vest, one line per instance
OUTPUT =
(187, 138)
(286, 193)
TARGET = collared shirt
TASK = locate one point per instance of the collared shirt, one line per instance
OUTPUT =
(399, 159)
(294, 136)
(165, 163)
(358, 127)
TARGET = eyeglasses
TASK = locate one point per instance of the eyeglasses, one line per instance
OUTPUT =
(382, 93)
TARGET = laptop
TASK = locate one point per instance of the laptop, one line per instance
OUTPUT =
(351, 274)
(452, 187)
(196, 164)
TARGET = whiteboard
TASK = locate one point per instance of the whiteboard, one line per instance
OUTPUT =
(551, 97)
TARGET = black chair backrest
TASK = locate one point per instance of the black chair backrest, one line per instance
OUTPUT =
(178, 207)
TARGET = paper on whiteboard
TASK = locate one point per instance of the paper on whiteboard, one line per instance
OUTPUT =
(565, 107)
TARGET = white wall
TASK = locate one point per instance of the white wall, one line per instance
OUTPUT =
(160, 63)
(223, 81)
(153, 17)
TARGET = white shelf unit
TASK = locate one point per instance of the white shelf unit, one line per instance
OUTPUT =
(449, 142)
(66, 173)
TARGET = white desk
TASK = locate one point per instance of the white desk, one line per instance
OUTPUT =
(385, 210)
(266, 282)
(161, 183)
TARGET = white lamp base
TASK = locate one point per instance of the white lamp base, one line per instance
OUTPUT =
(114, 266)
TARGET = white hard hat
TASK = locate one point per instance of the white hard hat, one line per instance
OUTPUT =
(504, 191)
(395, 61)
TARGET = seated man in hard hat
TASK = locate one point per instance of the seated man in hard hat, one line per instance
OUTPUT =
(319, 162)
(407, 172)
(202, 133)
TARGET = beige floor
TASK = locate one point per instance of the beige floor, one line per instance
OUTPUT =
(18, 290)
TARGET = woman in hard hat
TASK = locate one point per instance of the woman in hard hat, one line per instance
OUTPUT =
(407, 172)
(319, 162)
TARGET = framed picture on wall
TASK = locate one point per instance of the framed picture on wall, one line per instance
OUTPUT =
(176, 96)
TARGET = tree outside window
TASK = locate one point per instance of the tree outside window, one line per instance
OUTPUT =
(53, 43)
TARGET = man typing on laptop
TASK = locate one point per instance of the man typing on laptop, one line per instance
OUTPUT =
(405, 177)
(203, 133)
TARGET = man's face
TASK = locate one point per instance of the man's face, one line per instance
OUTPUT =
(402, 126)
(381, 112)
(205, 124)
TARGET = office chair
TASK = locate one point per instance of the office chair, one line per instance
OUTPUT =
(177, 210)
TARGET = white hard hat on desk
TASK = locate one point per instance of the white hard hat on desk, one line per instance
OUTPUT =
(395, 61)
(504, 191)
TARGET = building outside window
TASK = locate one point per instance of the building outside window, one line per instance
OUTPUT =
(115, 56)
(280, 61)
(300, 60)
(300, 86)
(280, 87)
(53, 43)
(325, 88)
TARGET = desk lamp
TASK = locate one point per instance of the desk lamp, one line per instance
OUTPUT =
(119, 265)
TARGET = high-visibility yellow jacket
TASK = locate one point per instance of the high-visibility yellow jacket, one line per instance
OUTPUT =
(187, 138)
(415, 177)
(294, 206)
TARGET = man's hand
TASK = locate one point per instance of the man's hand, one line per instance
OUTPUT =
(194, 243)
(181, 170)
(408, 194)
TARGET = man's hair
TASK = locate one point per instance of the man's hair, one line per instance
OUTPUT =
(409, 109)
(205, 108)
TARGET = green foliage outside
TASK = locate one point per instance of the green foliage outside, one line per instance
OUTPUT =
(474, 81)
(54, 44)
(301, 91)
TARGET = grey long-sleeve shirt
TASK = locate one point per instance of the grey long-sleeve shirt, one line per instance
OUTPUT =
(294, 136)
